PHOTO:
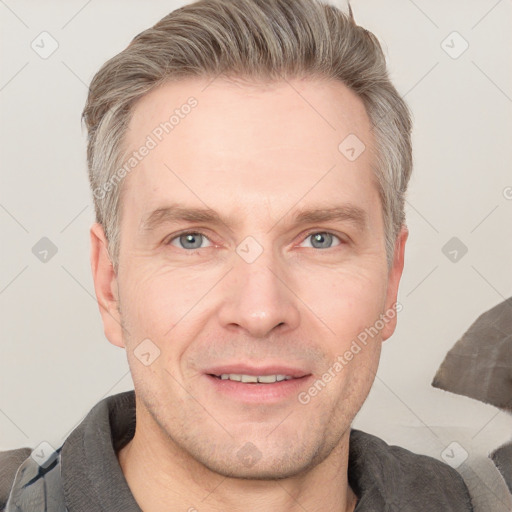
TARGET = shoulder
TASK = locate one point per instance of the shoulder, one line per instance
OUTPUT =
(415, 467)
(27, 483)
(412, 480)
(10, 461)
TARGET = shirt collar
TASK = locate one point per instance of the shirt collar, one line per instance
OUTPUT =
(383, 477)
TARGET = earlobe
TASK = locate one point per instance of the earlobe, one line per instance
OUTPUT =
(105, 285)
(395, 273)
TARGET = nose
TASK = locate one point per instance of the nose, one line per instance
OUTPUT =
(259, 297)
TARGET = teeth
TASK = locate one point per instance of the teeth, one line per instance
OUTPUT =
(268, 379)
(263, 379)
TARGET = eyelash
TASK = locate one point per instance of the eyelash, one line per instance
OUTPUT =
(307, 235)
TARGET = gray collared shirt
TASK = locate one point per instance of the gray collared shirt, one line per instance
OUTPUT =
(86, 477)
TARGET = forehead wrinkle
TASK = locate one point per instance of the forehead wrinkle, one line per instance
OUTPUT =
(176, 213)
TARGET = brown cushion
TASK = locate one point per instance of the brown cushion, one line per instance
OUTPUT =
(502, 457)
(480, 364)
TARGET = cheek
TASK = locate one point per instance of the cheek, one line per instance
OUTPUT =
(347, 301)
(157, 306)
(159, 303)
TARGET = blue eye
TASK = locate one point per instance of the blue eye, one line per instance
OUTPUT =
(322, 239)
(190, 240)
(193, 240)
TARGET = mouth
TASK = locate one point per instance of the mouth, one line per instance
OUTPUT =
(257, 385)
(252, 379)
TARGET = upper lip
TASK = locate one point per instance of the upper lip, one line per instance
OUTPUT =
(244, 369)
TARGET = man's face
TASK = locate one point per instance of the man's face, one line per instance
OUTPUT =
(258, 292)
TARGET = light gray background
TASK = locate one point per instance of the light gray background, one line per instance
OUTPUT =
(55, 362)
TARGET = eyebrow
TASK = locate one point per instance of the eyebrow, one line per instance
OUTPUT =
(178, 213)
(346, 213)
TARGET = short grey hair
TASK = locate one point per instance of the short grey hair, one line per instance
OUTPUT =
(253, 40)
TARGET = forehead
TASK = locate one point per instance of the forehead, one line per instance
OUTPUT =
(327, 109)
(230, 141)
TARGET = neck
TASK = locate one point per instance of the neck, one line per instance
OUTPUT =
(163, 477)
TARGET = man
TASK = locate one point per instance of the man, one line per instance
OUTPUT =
(248, 161)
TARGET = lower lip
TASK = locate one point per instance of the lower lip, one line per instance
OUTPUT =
(257, 392)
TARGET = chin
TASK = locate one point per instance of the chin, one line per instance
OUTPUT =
(273, 469)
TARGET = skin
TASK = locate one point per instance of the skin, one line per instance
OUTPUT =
(255, 154)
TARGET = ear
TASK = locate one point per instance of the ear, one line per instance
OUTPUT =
(395, 273)
(105, 285)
